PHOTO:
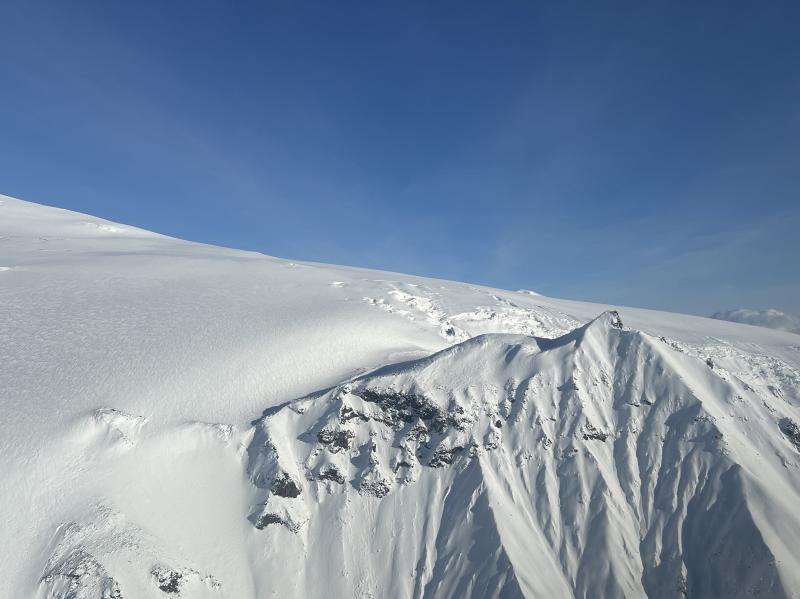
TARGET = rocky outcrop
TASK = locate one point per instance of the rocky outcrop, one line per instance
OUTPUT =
(791, 430)
(79, 575)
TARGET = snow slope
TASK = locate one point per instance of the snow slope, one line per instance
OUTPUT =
(770, 318)
(178, 419)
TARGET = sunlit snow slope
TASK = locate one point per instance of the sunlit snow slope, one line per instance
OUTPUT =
(182, 420)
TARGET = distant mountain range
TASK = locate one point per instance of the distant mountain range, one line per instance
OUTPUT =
(770, 318)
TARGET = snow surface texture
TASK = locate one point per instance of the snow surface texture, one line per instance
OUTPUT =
(772, 319)
(181, 420)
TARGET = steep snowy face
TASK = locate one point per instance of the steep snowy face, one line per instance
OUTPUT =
(603, 462)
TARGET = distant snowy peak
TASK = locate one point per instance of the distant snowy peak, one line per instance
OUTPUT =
(770, 318)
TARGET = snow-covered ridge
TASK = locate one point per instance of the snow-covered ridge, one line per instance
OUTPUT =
(600, 459)
(178, 419)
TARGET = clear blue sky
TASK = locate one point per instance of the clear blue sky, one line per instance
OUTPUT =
(642, 153)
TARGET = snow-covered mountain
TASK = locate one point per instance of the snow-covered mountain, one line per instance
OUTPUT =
(178, 419)
(770, 318)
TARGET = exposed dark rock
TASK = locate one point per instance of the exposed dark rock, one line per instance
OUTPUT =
(168, 581)
(332, 473)
(347, 413)
(419, 434)
(710, 363)
(459, 419)
(616, 321)
(285, 486)
(399, 408)
(791, 430)
(268, 519)
(493, 438)
(376, 487)
(591, 433)
(336, 440)
(444, 457)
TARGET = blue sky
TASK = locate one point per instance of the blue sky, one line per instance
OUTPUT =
(642, 153)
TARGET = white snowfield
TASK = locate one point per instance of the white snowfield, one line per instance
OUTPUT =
(182, 420)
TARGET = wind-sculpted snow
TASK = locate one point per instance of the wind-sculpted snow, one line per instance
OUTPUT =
(600, 463)
(417, 302)
(450, 440)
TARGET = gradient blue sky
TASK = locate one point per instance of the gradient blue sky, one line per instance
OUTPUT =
(641, 153)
